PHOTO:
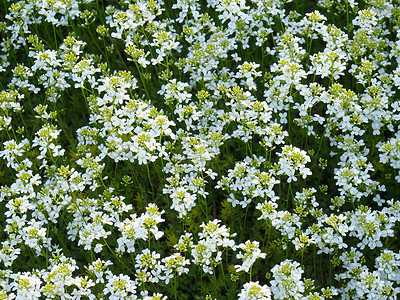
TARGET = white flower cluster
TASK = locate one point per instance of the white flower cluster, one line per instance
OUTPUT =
(247, 179)
(292, 159)
(360, 282)
(251, 253)
(214, 239)
(287, 281)
(135, 228)
(253, 290)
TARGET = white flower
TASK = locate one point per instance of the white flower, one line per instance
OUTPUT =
(251, 253)
(254, 291)
(119, 287)
(287, 281)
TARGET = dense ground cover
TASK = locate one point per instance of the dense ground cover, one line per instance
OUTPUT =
(189, 149)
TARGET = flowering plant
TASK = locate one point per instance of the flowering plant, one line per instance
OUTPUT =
(219, 149)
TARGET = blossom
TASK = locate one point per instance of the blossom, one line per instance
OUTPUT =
(251, 253)
(253, 290)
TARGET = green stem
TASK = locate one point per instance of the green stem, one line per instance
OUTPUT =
(244, 222)
(117, 257)
(175, 287)
(148, 175)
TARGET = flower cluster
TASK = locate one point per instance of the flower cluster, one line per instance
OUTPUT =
(214, 239)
